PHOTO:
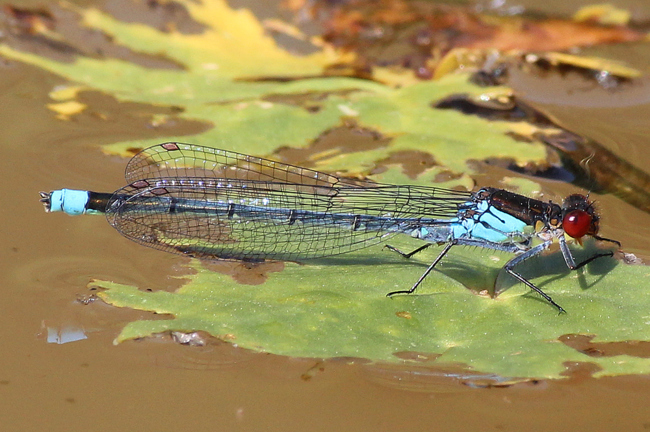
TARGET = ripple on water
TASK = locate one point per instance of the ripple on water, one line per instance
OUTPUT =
(75, 271)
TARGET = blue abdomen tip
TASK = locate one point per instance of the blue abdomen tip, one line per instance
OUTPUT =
(70, 201)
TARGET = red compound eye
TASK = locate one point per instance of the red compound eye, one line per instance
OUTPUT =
(576, 223)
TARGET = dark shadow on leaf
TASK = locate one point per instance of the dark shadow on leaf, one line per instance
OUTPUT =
(553, 264)
(479, 277)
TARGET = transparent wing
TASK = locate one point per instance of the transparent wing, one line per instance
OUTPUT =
(253, 219)
(188, 160)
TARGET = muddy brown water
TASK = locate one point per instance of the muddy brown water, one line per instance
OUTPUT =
(91, 384)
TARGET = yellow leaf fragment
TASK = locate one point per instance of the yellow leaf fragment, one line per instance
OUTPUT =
(279, 26)
(460, 59)
(593, 63)
(66, 92)
(605, 14)
(65, 110)
(244, 47)
(394, 77)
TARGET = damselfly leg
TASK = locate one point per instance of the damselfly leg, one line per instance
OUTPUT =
(523, 257)
(426, 272)
(570, 261)
(510, 265)
(410, 254)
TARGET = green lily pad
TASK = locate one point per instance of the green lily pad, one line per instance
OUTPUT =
(337, 307)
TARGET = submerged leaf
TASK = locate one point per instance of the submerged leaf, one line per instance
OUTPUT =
(261, 97)
(419, 34)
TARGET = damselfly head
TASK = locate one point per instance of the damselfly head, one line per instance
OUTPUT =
(579, 217)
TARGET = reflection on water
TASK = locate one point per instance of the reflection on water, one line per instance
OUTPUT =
(449, 378)
(200, 351)
(196, 351)
(65, 334)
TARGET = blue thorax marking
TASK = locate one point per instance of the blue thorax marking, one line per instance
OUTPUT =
(476, 221)
(487, 223)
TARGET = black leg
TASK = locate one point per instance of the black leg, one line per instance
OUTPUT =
(426, 272)
(616, 242)
(568, 256)
(588, 260)
(410, 254)
(523, 257)
(530, 285)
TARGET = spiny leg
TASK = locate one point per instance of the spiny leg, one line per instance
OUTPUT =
(523, 257)
(410, 254)
(426, 272)
(568, 256)
(548, 298)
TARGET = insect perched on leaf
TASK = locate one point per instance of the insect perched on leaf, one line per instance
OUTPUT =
(216, 204)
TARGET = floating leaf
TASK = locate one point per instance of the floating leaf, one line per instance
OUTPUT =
(337, 308)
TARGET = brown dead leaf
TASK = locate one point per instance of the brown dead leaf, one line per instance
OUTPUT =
(416, 35)
(29, 21)
(552, 35)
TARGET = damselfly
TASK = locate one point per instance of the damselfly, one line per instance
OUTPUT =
(215, 204)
